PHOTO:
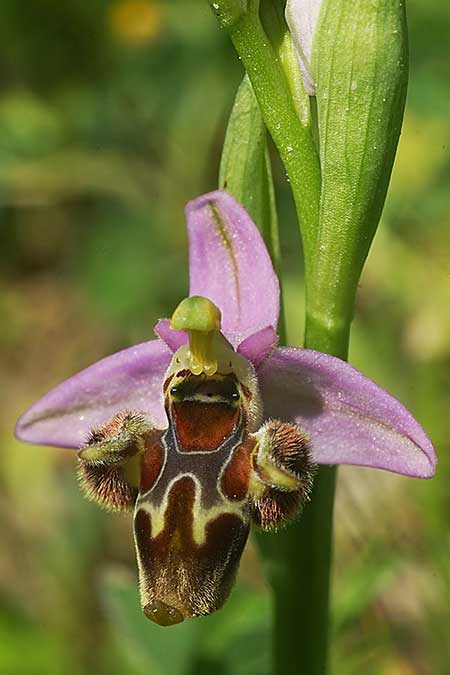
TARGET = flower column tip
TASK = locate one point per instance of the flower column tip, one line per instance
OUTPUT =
(201, 319)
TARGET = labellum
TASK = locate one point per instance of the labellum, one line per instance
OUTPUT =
(197, 486)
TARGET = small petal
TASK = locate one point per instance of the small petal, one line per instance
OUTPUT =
(301, 17)
(351, 420)
(131, 379)
(259, 346)
(174, 339)
(230, 265)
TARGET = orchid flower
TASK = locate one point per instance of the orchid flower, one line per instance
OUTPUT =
(212, 426)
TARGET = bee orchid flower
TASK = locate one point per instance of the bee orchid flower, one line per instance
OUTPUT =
(211, 426)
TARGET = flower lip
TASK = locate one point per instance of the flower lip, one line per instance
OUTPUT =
(163, 614)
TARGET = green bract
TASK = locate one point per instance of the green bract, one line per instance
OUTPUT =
(245, 166)
(360, 72)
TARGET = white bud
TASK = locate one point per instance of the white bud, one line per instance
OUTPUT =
(301, 17)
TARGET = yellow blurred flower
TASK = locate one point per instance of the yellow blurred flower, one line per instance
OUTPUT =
(135, 21)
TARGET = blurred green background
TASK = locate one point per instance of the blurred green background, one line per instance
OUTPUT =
(112, 116)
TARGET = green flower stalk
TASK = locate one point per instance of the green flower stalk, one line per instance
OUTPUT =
(266, 66)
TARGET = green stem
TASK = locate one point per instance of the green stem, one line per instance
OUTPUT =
(293, 139)
(327, 332)
(298, 560)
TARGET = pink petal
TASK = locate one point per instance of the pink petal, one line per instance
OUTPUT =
(259, 346)
(230, 265)
(174, 339)
(351, 420)
(131, 379)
